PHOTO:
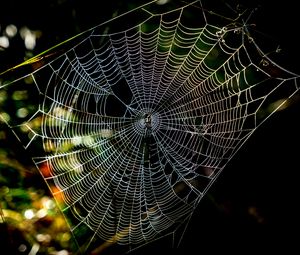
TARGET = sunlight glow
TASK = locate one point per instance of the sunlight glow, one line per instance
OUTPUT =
(4, 42)
(29, 214)
(11, 30)
(29, 38)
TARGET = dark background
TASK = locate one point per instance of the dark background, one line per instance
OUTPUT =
(253, 205)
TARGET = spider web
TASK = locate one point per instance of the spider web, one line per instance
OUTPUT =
(135, 118)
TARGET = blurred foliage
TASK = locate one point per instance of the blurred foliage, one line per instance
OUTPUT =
(30, 220)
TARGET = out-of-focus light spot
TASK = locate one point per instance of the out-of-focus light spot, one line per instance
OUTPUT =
(64, 146)
(5, 190)
(29, 214)
(161, 2)
(62, 252)
(30, 41)
(88, 140)
(3, 96)
(36, 122)
(65, 237)
(22, 112)
(40, 237)
(25, 129)
(20, 95)
(22, 248)
(4, 42)
(48, 203)
(29, 38)
(4, 117)
(60, 112)
(11, 215)
(11, 30)
(34, 250)
(28, 80)
(41, 213)
(76, 140)
(106, 133)
(24, 31)
(43, 237)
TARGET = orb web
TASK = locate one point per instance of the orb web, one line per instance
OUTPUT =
(135, 118)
